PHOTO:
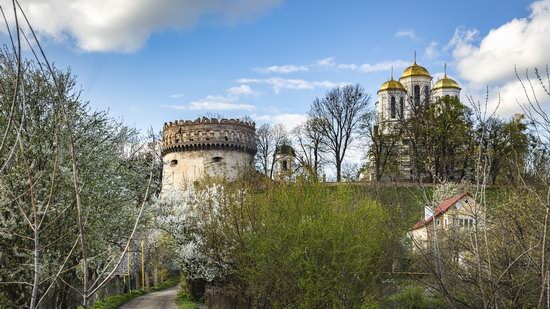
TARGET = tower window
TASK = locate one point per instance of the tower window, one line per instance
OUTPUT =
(392, 108)
(285, 166)
(402, 107)
(173, 162)
(416, 95)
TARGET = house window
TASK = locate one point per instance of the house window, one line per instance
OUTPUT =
(437, 222)
(460, 222)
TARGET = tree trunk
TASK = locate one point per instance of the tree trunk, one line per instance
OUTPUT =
(36, 282)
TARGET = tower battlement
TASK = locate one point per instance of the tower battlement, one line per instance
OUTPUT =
(206, 147)
(209, 133)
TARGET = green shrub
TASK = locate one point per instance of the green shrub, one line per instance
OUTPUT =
(414, 297)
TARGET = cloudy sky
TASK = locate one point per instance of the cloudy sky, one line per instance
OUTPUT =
(151, 61)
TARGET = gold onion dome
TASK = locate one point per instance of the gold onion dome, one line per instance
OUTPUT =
(446, 82)
(415, 70)
(392, 85)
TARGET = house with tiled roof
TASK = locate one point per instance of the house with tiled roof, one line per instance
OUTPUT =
(458, 213)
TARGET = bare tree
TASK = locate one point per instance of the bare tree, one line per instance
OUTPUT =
(268, 138)
(310, 147)
(383, 139)
(338, 115)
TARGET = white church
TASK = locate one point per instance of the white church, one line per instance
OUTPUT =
(415, 87)
(397, 99)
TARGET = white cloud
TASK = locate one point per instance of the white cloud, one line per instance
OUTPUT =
(410, 33)
(366, 67)
(288, 120)
(212, 102)
(326, 62)
(242, 90)
(384, 66)
(177, 95)
(432, 51)
(330, 63)
(282, 69)
(125, 25)
(279, 83)
(490, 60)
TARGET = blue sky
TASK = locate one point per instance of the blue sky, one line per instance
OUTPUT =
(149, 62)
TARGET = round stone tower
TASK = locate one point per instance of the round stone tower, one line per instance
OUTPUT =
(218, 148)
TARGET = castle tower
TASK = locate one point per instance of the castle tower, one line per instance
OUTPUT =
(392, 98)
(417, 80)
(445, 87)
(192, 150)
(285, 164)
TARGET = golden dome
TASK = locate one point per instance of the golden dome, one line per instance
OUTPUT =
(415, 70)
(446, 82)
(392, 85)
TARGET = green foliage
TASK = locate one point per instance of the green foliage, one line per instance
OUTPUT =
(168, 283)
(316, 247)
(414, 297)
(293, 245)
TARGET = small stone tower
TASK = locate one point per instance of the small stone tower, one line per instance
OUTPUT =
(192, 150)
(285, 164)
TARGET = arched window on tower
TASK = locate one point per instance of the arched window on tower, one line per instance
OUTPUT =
(426, 96)
(392, 108)
(402, 107)
(416, 95)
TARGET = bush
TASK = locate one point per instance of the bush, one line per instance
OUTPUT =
(414, 297)
(316, 246)
(290, 245)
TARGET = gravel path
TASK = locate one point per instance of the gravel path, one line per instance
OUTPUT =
(165, 299)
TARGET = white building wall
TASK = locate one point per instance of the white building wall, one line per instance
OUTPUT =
(184, 168)
(441, 92)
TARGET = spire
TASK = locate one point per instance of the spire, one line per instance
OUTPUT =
(415, 57)
(392, 72)
(445, 70)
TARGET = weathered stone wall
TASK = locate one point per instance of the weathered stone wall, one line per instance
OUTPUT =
(192, 150)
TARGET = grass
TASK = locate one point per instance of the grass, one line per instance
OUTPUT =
(115, 301)
(184, 301)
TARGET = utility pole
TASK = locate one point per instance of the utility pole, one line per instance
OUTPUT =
(142, 265)
(129, 276)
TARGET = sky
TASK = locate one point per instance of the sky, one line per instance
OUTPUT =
(153, 61)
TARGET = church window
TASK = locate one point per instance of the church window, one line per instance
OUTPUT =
(426, 95)
(285, 166)
(416, 95)
(217, 159)
(392, 108)
(173, 162)
(402, 107)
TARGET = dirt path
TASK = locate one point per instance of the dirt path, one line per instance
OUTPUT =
(164, 299)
